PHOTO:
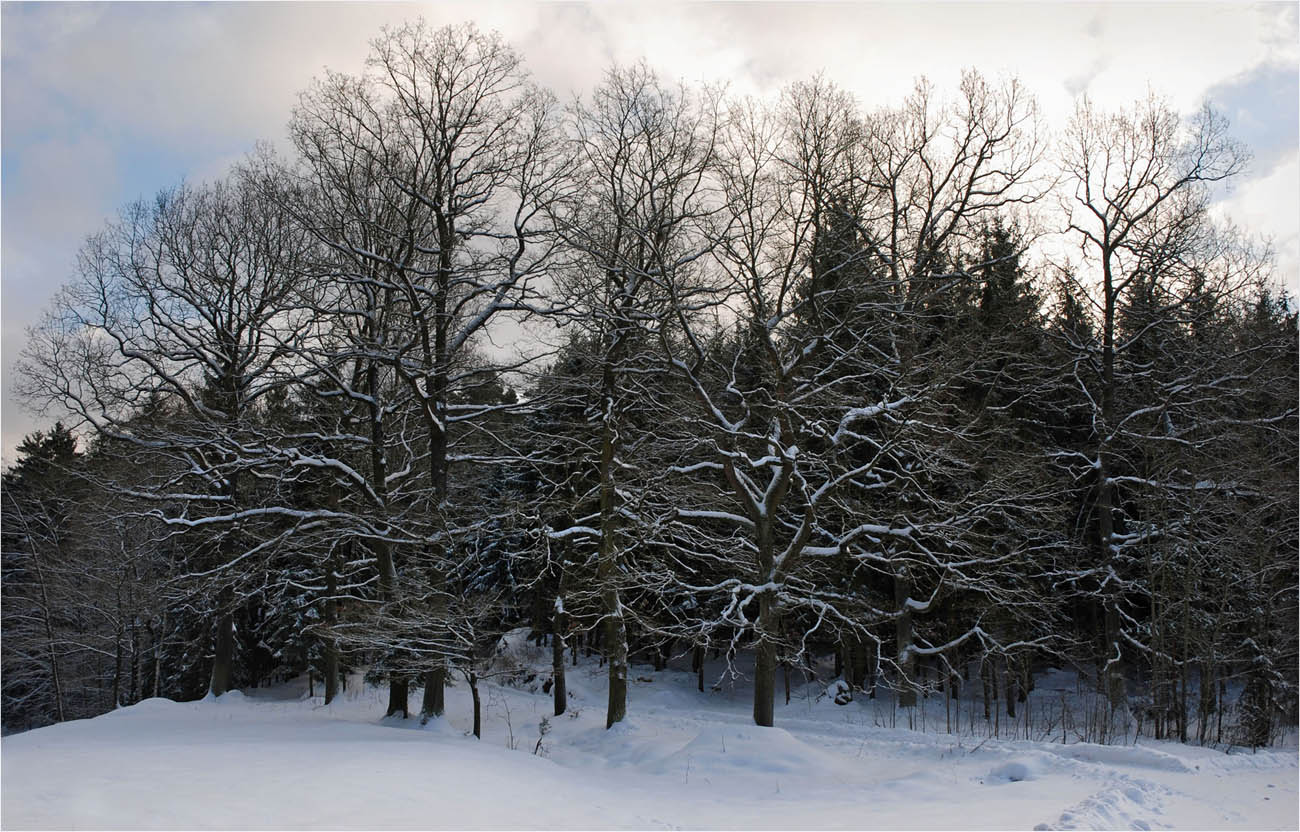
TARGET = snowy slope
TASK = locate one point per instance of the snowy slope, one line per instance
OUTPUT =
(684, 759)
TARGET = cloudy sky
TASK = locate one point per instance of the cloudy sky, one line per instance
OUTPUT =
(105, 103)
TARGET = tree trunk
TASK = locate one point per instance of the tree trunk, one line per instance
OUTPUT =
(1011, 680)
(1182, 704)
(615, 635)
(435, 391)
(873, 670)
(135, 660)
(1116, 688)
(1223, 698)
(616, 650)
(398, 694)
(1116, 685)
(765, 663)
(1187, 653)
(987, 682)
(1207, 704)
(906, 658)
(157, 655)
(119, 644)
(330, 645)
(947, 701)
(433, 702)
(225, 650)
(47, 616)
(557, 658)
(478, 705)
(384, 562)
(540, 622)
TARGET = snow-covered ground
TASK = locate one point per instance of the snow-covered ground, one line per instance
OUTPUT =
(277, 759)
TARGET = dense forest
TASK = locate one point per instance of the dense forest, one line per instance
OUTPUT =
(660, 372)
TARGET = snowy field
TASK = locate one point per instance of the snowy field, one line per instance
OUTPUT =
(279, 759)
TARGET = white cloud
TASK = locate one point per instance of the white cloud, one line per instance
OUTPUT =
(1270, 206)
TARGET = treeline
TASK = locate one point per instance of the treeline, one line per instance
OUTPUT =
(664, 372)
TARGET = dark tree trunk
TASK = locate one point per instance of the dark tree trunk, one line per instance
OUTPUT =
(224, 658)
(539, 616)
(384, 562)
(1113, 654)
(616, 650)
(987, 682)
(330, 646)
(1223, 698)
(1182, 704)
(47, 616)
(1011, 687)
(225, 650)
(557, 658)
(433, 702)
(156, 642)
(615, 632)
(906, 658)
(765, 664)
(1112, 664)
(135, 660)
(472, 678)
(398, 693)
(947, 700)
(1206, 706)
(856, 662)
(119, 639)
